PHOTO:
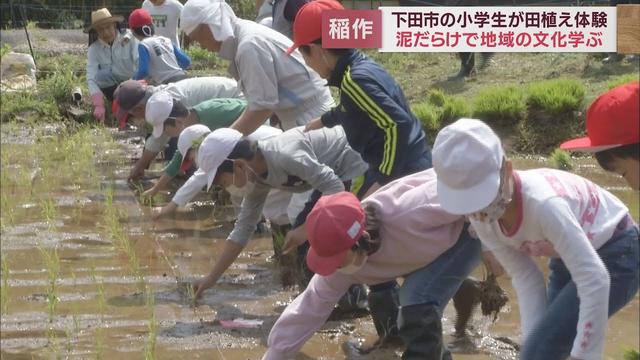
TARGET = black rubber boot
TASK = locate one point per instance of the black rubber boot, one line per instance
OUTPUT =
(421, 331)
(465, 300)
(383, 306)
(467, 66)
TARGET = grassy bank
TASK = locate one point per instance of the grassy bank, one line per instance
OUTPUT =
(533, 100)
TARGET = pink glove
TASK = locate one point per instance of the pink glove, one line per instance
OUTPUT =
(98, 107)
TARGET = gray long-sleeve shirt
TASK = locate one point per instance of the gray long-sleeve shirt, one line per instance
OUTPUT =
(298, 161)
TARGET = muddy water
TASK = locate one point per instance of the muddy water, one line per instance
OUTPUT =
(105, 309)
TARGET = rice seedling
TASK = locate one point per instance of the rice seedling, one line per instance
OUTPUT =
(4, 291)
(99, 344)
(52, 262)
(48, 211)
(53, 342)
(102, 302)
(150, 345)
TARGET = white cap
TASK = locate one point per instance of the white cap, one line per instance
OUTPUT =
(215, 148)
(189, 136)
(467, 157)
(157, 110)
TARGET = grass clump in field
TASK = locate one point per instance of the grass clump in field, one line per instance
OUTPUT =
(556, 97)
(439, 110)
(554, 114)
(502, 107)
(561, 160)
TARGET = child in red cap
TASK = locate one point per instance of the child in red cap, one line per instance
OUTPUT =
(613, 132)
(375, 116)
(399, 231)
(159, 61)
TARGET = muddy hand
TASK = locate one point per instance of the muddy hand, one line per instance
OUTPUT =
(201, 285)
(158, 212)
(293, 239)
(147, 196)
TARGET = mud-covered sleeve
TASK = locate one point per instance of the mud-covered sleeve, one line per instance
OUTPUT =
(305, 315)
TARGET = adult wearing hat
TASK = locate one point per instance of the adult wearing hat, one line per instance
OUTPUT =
(272, 82)
(112, 58)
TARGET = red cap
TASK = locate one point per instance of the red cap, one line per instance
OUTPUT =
(139, 18)
(612, 120)
(333, 226)
(187, 162)
(307, 27)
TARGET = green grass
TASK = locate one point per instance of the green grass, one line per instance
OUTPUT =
(52, 262)
(631, 354)
(500, 106)
(556, 97)
(439, 110)
(561, 160)
(622, 79)
(5, 49)
(27, 107)
(4, 291)
(202, 58)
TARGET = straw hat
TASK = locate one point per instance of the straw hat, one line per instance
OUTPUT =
(102, 16)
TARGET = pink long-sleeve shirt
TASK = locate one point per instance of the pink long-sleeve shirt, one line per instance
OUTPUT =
(414, 231)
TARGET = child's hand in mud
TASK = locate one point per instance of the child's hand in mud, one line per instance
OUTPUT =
(158, 212)
(147, 196)
(201, 285)
(294, 238)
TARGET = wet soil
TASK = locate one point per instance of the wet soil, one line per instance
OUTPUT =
(103, 310)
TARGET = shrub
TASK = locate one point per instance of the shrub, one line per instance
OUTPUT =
(556, 97)
(500, 106)
(201, 58)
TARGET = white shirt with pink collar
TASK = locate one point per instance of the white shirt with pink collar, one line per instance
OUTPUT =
(566, 216)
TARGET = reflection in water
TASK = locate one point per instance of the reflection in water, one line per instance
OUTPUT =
(101, 310)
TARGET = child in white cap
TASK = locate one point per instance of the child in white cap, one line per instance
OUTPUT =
(587, 233)
(295, 161)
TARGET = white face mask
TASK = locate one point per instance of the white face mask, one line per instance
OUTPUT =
(496, 209)
(354, 267)
(241, 192)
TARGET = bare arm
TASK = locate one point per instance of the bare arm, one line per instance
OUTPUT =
(230, 253)
(143, 163)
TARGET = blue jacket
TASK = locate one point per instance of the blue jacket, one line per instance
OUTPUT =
(377, 119)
